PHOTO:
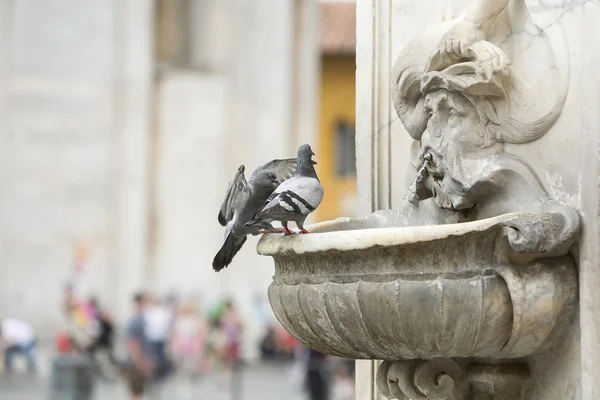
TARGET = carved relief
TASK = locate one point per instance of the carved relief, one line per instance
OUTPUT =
(436, 379)
(482, 269)
(463, 89)
(446, 379)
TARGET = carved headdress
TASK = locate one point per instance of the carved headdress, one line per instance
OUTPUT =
(521, 98)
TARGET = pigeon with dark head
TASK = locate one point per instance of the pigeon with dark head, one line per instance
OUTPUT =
(243, 200)
(295, 198)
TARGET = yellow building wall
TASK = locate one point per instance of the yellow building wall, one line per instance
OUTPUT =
(337, 102)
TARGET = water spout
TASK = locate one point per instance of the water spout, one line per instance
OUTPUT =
(417, 184)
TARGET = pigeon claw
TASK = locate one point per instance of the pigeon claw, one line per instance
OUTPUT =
(304, 231)
(286, 230)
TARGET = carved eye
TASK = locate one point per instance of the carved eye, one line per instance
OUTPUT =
(429, 114)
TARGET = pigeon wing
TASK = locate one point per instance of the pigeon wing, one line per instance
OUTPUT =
(283, 169)
(298, 196)
(237, 193)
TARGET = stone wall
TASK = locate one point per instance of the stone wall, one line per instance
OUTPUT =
(566, 160)
(75, 89)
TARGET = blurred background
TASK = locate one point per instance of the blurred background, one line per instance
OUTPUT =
(122, 122)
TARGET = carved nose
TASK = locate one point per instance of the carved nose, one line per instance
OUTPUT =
(433, 158)
(426, 153)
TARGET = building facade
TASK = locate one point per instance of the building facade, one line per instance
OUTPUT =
(122, 122)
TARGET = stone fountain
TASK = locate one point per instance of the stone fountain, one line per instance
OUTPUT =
(473, 274)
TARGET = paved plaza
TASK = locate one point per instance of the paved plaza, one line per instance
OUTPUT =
(262, 381)
(258, 382)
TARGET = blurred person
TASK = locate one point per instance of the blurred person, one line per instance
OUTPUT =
(158, 320)
(278, 344)
(141, 362)
(105, 338)
(62, 342)
(231, 330)
(286, 343)
(69, 299)
(215, 313)
(231, 326)
(268, 345)
(189, 339)
(172, 303)
(316, 374)
(101, 349)
(214, 342)
(343, 372)
(63, 339)
(17, 337)
(81, 325)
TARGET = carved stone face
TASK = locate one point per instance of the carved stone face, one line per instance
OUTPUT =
(458, 144)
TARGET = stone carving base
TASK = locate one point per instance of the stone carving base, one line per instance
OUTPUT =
(448, 379)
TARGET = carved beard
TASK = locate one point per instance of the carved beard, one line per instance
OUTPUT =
(450, 194)
(452, 180)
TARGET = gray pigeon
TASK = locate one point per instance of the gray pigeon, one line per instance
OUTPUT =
(294, 199)
(242, 201)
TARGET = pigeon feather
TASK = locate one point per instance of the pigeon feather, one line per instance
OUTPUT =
(237, 193)
(243, 199)
(283, 169)
(238, 189)
(295, 198)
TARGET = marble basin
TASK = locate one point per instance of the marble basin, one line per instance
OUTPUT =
(421, 292)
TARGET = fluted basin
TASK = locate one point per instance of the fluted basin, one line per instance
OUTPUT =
(456, 290)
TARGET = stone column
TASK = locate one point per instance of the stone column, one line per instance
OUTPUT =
(244, 98)
(5, 13)
(133, 106)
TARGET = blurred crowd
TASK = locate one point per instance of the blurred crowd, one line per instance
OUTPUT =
(166, 337)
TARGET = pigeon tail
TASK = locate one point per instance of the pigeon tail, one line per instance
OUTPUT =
(222, 219)
(230, 248)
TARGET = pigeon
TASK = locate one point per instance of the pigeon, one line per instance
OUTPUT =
(295, 198)
(243, 200)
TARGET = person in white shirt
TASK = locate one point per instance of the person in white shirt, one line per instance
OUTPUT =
(17, 337)
(158, 321)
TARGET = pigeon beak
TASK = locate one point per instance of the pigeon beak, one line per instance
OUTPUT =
(313, 162)
(312, 152)
(276, 182)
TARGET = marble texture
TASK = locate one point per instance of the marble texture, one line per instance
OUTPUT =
(493, 99)
(564, 158)
(421, 292)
